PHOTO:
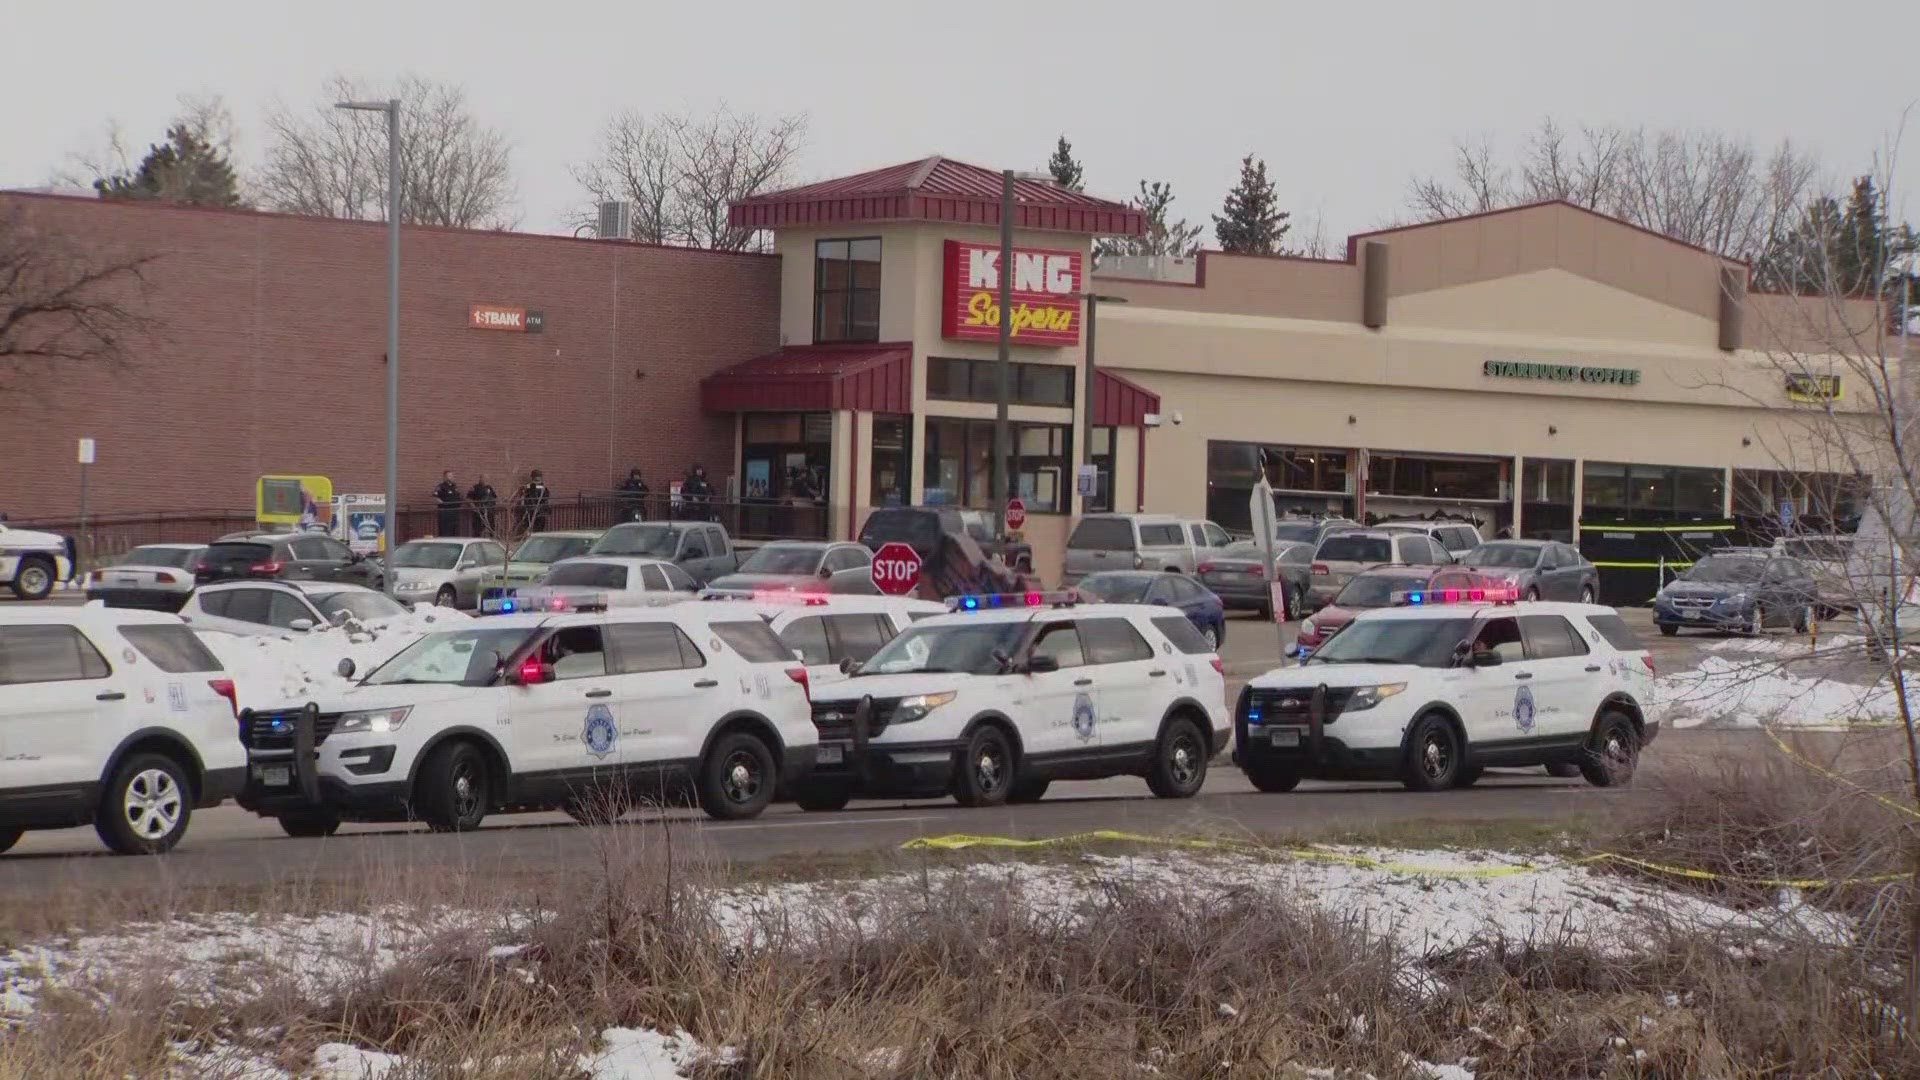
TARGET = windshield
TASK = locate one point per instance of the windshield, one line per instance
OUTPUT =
(913, 526)
(1119, 588)
(1510, 556)
(782, 560)
(959, 647)
(361, 605)
(658, 541)
(1818, 548)
(458, 657)
(1723, 568)
(1355, 549)
(1422, 642)
(159, 556)
(551, 549)
(427, 555)
(595, 575)
(1376, 590)
(1305, 532)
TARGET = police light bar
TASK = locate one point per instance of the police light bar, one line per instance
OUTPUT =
(1031, 599)
(1424, 597)
(765, 596)
(539, 603)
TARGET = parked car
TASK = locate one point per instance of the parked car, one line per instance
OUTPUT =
(251, 608)
(1376, 588)
(1538, 569)
(600, 581)
(804, 566)
(1311, 531)
(304, 556)
(1141, 542)
(32, 563)
(701, 548)
(445, 571)
(1342, 555)
(1738, 589)
(834, 635)
(922, 526)
(1826, 556)
(156, 577)
(1237, 577)
(1157, 587)
(1456, 537)
(529, 562)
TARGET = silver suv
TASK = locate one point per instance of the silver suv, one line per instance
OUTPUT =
(1343, 555)
(1457, 537)
(1141, 542)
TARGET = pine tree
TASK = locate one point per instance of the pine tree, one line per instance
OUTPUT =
(1162, 237)
(1250, 222)
(1066, 171)
(1860, 243)
(185, 169)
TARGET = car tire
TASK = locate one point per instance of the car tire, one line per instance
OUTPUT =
(308, 825)
(10, 837)
(1757, 624)
(1669, 630)
(1212, 638)
(1179, 761)
(453, 791)
(1272, 779)
(822, 796)
(1563, 770)
(146, 806)
(445, 597)
(738, 777)
(1028, 791)
(984, 775)
(1586, 594)
(1614, 753)
(1433, 755)
(34, 578)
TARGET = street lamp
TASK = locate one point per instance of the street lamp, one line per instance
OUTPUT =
(1002, 444)
(392, 108)
(1094, 300)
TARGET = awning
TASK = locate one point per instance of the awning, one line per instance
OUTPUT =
(815, 378)
(1119, 403)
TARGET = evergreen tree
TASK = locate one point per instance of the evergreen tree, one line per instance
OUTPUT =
(1162, 237)
(1251, 222)
(1860, 244)
(186, 169)
(1066, 171)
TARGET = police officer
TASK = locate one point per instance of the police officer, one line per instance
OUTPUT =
(633, 496)
(696, 493)
(447, 494)
(481, 497)
(533, 502)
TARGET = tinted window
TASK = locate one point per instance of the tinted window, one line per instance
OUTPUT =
(157, 556)
(1376, 589)
(490, 553)
(1459, 538)
(313, 549)
(1616, 631)
(173, 649)
(1217, 536)
(652, 579)
(575, 652)
(1425, 642)
(283, 609)
(679, 580)
(716, 540)
(857, 636)
(848, 558)
(753, 641)
(1303, 531)
(1062, 642)
(1102, 534)
(237, 554)
(1503, 637)
(249, 605)
(1505, 556)
(914, 526)
(1725, 568)
(808, 636)
(1113, 641)
(588, 575)
(362, 604)
(33, 654)
(652, 646)
(1160, 536)
(1199, 534)
(1355, 549)
(1296, 555)
(1182, 634)
(216, 603)
(1550, 637)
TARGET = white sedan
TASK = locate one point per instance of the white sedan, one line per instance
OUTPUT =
(601, 581)
(279, 607)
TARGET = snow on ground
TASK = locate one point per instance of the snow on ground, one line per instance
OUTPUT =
(271, 670)
(1727, 692)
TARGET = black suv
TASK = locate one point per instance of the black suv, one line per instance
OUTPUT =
(286, 557)
(923, 526)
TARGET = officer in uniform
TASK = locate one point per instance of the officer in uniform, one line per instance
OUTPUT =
(481, 497)
(633, 496)
(447, 494)
(533, 502)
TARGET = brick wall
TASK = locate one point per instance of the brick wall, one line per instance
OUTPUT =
(267, 358)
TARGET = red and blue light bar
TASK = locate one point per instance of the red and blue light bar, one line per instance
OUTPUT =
(1476, 595)
(1029, 599)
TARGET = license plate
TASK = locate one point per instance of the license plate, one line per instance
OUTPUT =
(1286, 737)
(832, 755)
(274, 775)
(127, 579)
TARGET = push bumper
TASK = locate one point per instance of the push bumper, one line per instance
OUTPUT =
(889, 770)
(1329, 757)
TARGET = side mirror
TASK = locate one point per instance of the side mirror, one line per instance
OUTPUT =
(848, 666)
(825, 573)
(354, 557)
(301, 624)
(1486, 658)
(344, 668)
(1041, 665)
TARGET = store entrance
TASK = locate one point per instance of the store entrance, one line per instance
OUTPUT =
(786, 467)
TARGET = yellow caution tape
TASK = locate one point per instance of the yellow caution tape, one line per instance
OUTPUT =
(960, 841)
(1820, 770)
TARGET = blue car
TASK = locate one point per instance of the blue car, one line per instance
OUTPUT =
(1165, 589)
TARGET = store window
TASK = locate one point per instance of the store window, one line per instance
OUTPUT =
(787, 462)
(958, 464)
(1620, 491)
(1769, 501)
(1101, 501)
(1307, 480)
(846, 290)
(1394, 475)
(892, 435)
(1546, 500)
(953, 379)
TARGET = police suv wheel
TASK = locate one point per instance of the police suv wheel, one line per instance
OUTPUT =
(1180, 761)
(34, 579)
(1614, 752)
(145, 808)
(1272, 779)
(1433, 755)
(984, 776)
(452, 793)
(738, 777)
(822, 795)
(10, 837)
(309, 824)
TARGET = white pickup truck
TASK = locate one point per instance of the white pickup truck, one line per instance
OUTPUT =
(32, 563)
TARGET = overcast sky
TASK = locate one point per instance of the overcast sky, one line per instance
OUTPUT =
(1344, 100)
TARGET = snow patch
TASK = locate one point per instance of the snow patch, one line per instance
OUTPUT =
(1731, 693)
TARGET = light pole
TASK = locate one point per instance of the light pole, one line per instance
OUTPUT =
(1094, 300)
(391, 107)
(1002, 443)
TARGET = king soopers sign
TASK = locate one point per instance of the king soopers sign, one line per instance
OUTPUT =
(1045, 295)
(1516, 369)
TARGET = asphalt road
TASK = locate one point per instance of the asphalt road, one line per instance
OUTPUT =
(227, 846)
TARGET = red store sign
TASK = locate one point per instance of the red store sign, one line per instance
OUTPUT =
(1045, 301)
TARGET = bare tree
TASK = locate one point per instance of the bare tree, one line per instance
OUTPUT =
(62, 306)
(330, 162)
(681, 172)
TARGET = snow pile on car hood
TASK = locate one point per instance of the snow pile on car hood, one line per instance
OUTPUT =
(272, 670)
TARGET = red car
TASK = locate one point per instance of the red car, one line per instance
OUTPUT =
(1374, 588)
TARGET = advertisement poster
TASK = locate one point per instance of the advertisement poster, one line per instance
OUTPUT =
(361, 519)
(759, 475)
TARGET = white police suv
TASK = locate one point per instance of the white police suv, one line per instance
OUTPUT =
(116, 718)
(991, 703)
(32, 563)
(1447, 684)
(585, 712)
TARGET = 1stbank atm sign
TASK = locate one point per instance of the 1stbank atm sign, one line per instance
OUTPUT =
(1046, 295)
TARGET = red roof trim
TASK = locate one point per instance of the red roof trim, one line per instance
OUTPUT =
(815, 378)
(1118, 402)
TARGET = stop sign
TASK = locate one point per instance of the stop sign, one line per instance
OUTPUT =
(1016, 513)
(896, 568)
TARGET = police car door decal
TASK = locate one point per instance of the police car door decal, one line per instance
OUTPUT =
(599, 733)
(1083, 716)
(1523, 711)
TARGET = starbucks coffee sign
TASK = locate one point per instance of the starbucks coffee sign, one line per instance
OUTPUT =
(1519, 369)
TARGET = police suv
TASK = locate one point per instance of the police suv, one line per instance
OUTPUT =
(32, 563)
(1448, 683)
(994, 701)
(580, 711)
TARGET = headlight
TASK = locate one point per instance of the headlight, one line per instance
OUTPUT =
(375, 720)
(1366, 697)
(919, 705)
